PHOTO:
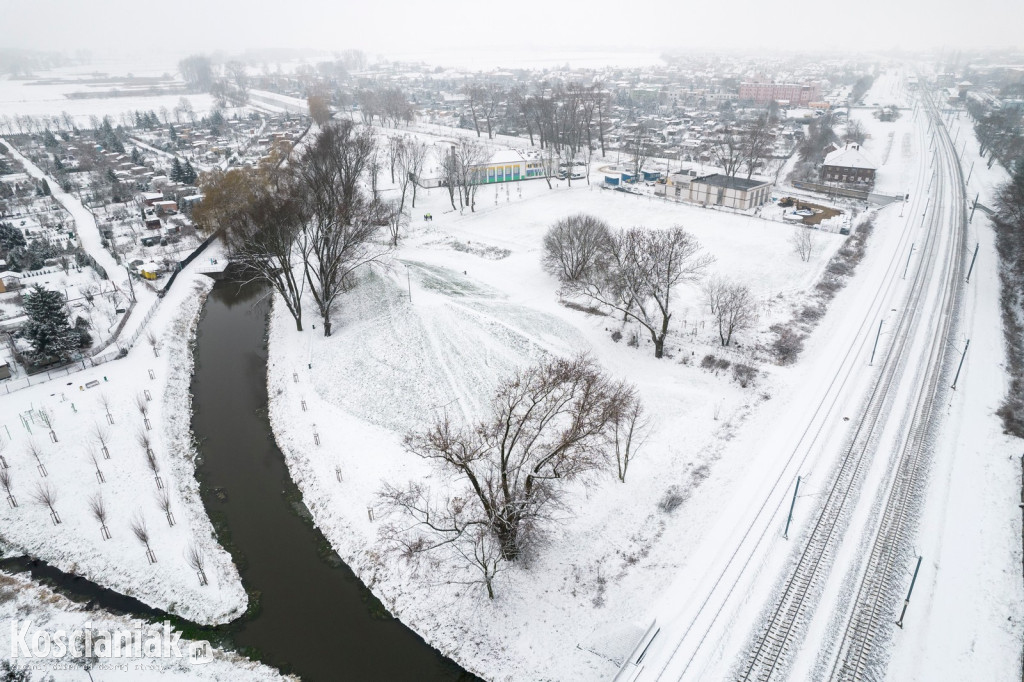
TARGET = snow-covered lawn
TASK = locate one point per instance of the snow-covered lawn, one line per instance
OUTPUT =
(130, 488)
(481, 306)
(22, 601)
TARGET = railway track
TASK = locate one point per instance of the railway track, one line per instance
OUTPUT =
(772, 645)
(872, 613)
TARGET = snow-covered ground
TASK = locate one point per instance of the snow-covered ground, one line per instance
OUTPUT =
(965, 619)
(22, 602)
(130, 488)
(37, 99)
(482, 306)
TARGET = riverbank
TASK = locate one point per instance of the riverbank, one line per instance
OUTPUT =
(313, 617)
(22, 601)
(100, 457)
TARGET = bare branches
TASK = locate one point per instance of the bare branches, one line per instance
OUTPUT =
(141, 533)
(101, 436)
(105, 403)
(100, 478)
(802, 240)
(577, 247)
(550, 424)
(153, 342)
(98, 510)
(141, 404)
(341, 222)
(195, 559)
(6, 482)
(644, 269)
(629, 433)
(45, 495)
(163, 500)
(732, 305)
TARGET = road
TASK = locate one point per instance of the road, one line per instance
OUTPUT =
(85, 223)
(803, 589)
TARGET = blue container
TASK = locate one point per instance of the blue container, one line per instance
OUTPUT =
(611, 179)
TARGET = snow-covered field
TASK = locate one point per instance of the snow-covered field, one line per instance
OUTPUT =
(37, 99)
(480, 307)
(130, 487)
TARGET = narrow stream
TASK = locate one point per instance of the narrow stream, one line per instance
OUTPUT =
(315, 617)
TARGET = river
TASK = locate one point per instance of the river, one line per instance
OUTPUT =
(316, 618)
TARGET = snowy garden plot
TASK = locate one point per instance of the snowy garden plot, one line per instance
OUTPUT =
(340, 406)
(120, 430)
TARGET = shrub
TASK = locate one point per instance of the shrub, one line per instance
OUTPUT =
(787, 344)
(743, 374)
(708, 362)
(671, 500)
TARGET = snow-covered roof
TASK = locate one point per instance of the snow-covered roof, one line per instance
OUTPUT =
(850, 156)
(506, 156)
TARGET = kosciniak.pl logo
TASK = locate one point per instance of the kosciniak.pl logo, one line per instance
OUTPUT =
(153, 642)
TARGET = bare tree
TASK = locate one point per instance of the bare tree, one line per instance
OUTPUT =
(7, 484)
(576, 247)
(728, 151)
(802, 240)
(549, 425)
(100, 478)
(153, 342)
(46, 496)
(855, 132)
(141, 533)
(639, 147)
(37, 454)
(645, 268)
(98, 509)
(163, 500)
(105, 403)
(100, 436)
(732, 305)
(395, 150)
(416, 154)
(470, 156)
(342, 223)
(756, 140)
(262, 215)
(141, 404)
(46, 417)
(195, 559)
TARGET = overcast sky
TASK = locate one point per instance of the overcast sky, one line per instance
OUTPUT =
(420, 26)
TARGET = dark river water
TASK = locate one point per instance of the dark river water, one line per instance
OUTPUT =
(315, 618)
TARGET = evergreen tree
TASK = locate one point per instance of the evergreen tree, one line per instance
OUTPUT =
(176, 170)
(57, 165)
(44, 188)
(47, 328)
(188, 174)
(136, 156)
(172, 133)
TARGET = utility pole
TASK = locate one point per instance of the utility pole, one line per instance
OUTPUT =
(961, 365)
(792, 504)
(906, 602)
(926, 205)
(876, 342)
(908, 260)
(408, 282)
(969, 173)
(973, 258)
(973, 207)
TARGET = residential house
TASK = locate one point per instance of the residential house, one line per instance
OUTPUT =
(848, 165)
